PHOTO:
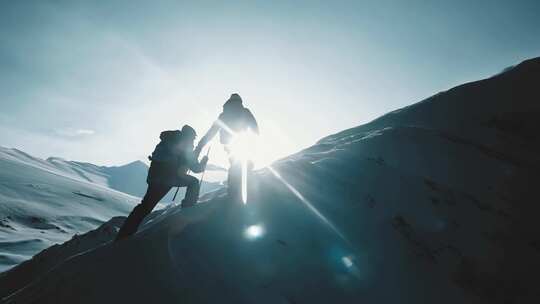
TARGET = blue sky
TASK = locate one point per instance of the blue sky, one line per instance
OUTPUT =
(97, 81)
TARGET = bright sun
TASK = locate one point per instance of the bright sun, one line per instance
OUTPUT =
(263, 149)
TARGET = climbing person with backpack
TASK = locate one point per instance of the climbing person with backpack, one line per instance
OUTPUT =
(234, 121)
(170, 162)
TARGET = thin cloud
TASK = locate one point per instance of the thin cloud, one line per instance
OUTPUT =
(74, 133)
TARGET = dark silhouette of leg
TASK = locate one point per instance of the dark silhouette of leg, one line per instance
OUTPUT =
(192, 191)
(153, 195)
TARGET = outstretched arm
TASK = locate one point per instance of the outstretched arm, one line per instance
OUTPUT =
(199, 167)
(252, 122)
(206, 138)
(192, 163)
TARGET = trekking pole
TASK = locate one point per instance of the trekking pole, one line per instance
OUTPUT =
(174, 197)
(202, 176)
(178, 188)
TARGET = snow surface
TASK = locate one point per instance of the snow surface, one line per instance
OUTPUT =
(433, 203)
(43, 202)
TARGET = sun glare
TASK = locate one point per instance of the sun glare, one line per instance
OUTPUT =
(262, 149)
(307, 203)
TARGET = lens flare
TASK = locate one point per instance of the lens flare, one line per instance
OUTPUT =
(347, 261)
(225, 127)
(244, 182)
(243, 146)
(254, 232)
(307, 203)
(242, 149)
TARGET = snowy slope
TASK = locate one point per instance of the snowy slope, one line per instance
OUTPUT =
(42, 203)
(433, 203)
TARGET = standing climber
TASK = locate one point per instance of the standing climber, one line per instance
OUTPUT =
(234, 120)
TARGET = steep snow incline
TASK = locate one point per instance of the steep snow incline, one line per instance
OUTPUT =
(41, 205)
(435, 203)
(500, 112)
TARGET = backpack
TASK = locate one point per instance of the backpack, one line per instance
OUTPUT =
(172, 136)
(163, 151)
(164, 161)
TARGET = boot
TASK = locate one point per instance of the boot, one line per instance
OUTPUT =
(187, 203)
(131, 223)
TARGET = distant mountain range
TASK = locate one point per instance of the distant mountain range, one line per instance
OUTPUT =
(44, 202)
(129, 178)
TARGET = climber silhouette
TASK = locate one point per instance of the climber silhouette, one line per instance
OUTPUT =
(170, 162)
(234, 119)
